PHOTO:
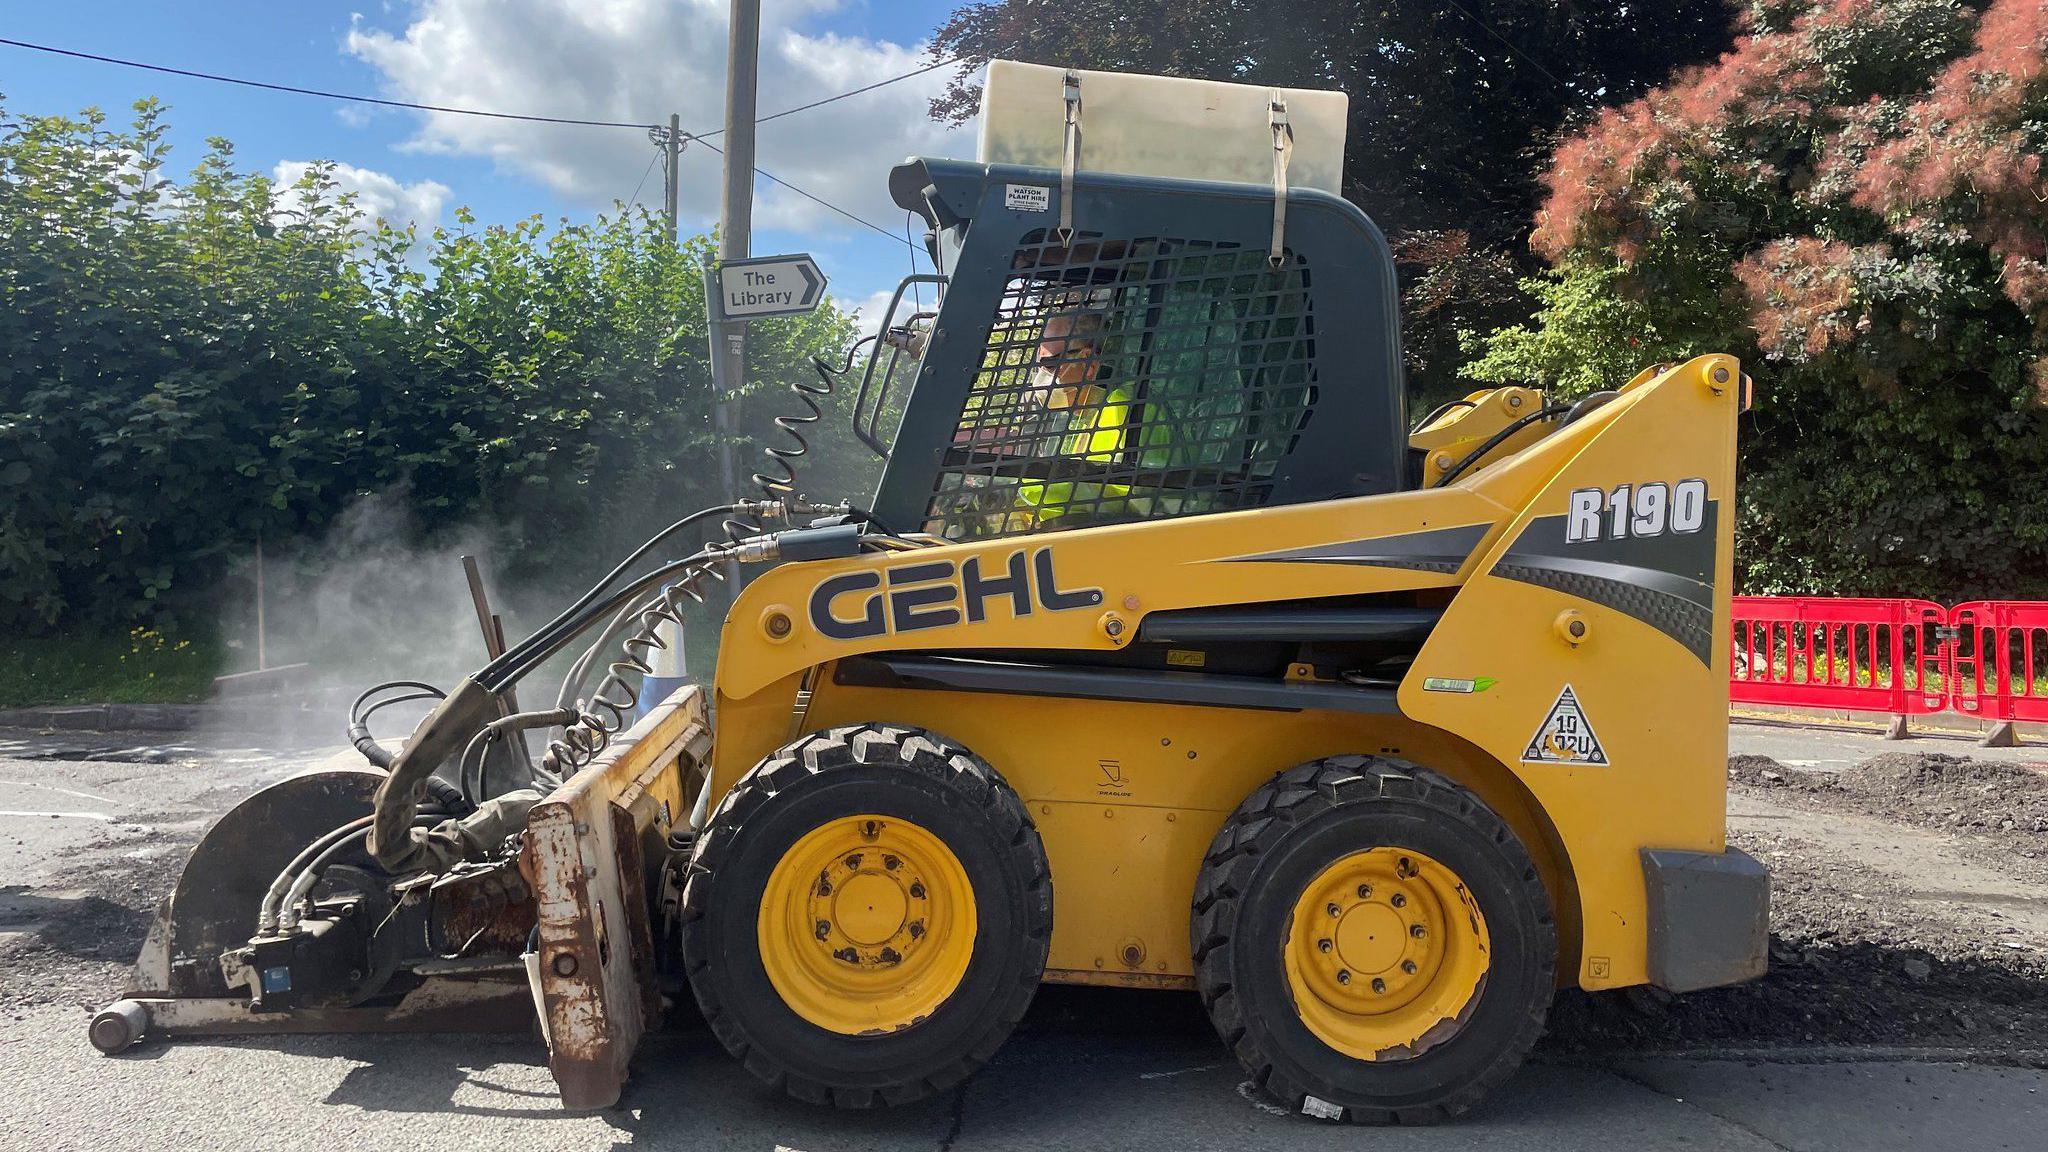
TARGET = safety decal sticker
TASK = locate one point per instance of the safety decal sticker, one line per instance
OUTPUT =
(1456, 684)
(1566, 736)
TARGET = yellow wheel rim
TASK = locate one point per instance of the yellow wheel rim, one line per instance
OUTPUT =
(1386, 954)
(867, 925)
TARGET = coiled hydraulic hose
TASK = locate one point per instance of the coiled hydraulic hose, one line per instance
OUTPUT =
(453, 724)
(611, 705)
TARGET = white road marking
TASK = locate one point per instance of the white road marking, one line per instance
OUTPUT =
(100, 816)
(1250, 1093)
(54, 788)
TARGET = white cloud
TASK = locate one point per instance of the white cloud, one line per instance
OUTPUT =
(870, 310)
(639, 60)
(378, 196)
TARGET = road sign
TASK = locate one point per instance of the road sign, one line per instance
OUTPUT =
(769, 286)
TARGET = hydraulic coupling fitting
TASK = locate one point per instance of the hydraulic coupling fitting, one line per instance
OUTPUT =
(761, 509)
(758, 549)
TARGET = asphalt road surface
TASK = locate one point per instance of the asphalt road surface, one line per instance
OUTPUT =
(90, 825)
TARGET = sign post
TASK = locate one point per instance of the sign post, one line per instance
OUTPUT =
(735, 292)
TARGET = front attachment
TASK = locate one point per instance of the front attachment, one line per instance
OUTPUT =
(180, 987)
(594, 850)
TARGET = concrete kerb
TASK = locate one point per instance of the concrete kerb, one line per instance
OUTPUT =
(1989, 733)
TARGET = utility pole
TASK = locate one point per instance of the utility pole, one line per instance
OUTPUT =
(735, 220)
(672, 146)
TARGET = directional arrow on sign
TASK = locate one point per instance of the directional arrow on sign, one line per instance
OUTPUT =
(769, 286)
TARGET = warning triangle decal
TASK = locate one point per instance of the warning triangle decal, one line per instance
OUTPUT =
(1566, 736)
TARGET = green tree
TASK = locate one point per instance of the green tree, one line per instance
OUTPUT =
(1854, 201)
(187, 367)
(1452, 106)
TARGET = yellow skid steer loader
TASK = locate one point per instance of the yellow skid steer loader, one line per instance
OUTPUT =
(1165, 656)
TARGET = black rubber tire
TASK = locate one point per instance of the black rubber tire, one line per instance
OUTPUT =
(912, 774)
(1275, 844)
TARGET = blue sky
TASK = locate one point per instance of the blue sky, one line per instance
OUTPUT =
(605, 59)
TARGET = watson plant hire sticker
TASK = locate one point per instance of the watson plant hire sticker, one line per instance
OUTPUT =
(1566, 736)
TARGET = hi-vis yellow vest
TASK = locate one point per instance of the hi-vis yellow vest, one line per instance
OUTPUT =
(1097, 437)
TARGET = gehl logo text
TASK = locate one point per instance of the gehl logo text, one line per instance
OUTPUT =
(859, 605)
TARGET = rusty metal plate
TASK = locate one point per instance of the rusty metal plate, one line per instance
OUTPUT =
(591, 848)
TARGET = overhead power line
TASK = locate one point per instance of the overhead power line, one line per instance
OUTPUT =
(843, 95)
(774, 179)
(1526, 58)
(350, 97)
(356, 98)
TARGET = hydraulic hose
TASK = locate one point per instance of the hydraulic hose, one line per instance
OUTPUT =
(396, 844)
(536, 650)
(266, 918)
(359, 717)
(1550, 412)
(473, 753)
(548, 637)
(613, 701)
(287, 909)
(579, 673)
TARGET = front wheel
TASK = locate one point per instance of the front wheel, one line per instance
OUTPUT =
(867, 916)
(1373, 942)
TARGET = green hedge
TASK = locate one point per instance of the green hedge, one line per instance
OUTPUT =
(185, 367)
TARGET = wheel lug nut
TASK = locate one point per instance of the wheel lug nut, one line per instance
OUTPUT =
(916, 890)
(1408, 966)
(1365, 891)
(1378, 985)
(1322, 945)
(823, 929)
(1343, 977)
(1399, 901)
(891, 863)
(1417, 931)
(1333, 910)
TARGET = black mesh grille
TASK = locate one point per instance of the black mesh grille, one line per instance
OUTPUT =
(1186, 370)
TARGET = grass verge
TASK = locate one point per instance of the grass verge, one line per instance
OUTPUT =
(144, 666)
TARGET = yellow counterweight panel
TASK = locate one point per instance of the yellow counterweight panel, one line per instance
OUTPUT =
(1637, 758)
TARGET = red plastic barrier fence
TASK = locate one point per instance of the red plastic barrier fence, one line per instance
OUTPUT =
(1864, 655)
(2000, 661)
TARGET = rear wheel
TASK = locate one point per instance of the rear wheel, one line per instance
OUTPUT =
(867, 916)
(1373, 942)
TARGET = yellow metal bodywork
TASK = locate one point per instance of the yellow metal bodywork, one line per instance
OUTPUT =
(1464, 425)
(1127, 795)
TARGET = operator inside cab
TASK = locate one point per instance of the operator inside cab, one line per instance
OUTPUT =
(1071, 376)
